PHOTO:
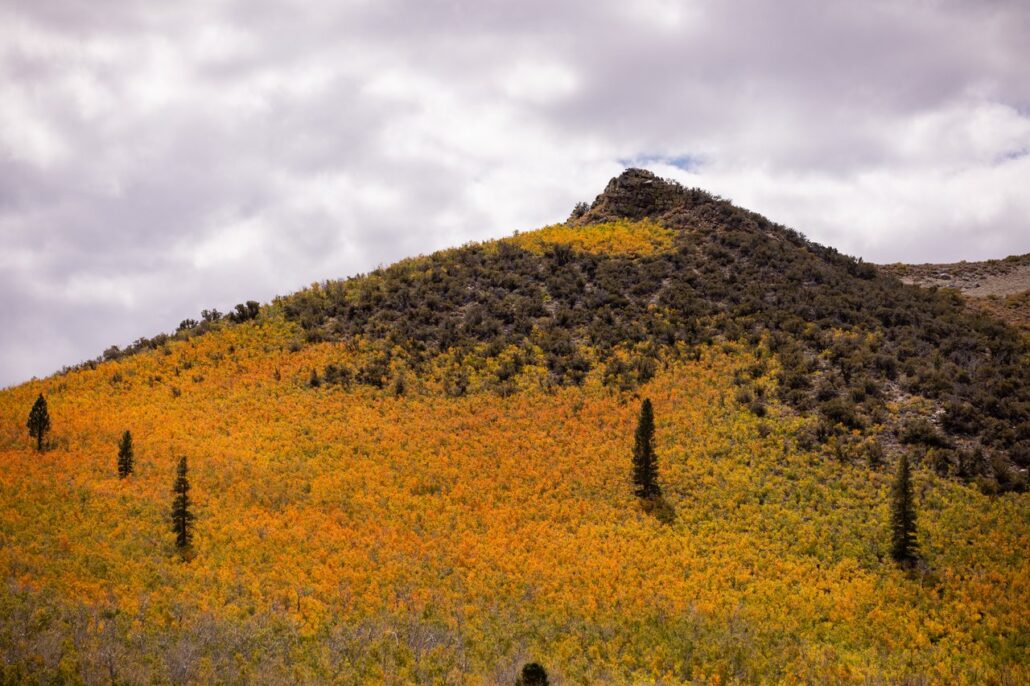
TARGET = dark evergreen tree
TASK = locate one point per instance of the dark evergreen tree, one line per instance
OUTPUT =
(533, 674)
(182, 518)
(903, 515)
(645, 462)
(125, 455)
(39, 421)
(579, 210)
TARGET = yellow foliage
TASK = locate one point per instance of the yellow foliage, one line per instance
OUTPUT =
(424, 538)
(622, 237)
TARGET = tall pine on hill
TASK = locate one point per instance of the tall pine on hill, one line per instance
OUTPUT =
(903, 515)
(125, 455)
(39, 421)
(182, 518)
(645, 467)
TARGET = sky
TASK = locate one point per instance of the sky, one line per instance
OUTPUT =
(159, 158)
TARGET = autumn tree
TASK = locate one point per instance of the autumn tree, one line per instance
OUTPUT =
(645, 467)
(39, 421)
(182, 518)
(125, 455)
(903, 515)
(533, 674)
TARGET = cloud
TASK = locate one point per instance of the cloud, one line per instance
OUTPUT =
(160, 159)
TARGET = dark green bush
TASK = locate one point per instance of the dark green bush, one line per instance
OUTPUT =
(920, 431)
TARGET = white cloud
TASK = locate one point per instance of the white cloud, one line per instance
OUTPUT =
(25, 135)
(539, 82)
(663, 15)
(943, 214)
(962, 135)
(236, 241)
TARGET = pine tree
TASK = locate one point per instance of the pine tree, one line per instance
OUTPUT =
(903, 515)
(39, 421)
(125, 455)
(533, 674)
(182, 518)
(645, 467)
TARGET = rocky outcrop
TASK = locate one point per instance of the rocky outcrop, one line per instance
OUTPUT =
(636, 194)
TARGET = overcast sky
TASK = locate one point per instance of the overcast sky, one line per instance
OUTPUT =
(158, 158)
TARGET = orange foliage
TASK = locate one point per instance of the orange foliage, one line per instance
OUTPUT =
(503, 527)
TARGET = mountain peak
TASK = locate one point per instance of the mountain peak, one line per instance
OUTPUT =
(634, 194)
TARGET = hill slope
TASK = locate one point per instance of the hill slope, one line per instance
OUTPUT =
(421, 475)
(851, 342)
(999, 287)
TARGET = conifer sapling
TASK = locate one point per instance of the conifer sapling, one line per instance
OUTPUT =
(645, 467)
(125, 456)
(39, 421)
(533, 674)
(903, 515)
(182, 518)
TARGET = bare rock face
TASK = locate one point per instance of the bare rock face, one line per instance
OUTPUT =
(634, 194)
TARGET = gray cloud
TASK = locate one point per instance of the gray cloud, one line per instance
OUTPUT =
(160, 159)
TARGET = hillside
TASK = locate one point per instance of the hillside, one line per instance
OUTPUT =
(422, 474)
(999, 287)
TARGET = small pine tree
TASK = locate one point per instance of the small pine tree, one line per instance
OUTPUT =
(645, 462)
(533, 674)
(182, 518)
(903, 515)
(39, 421)
(125, 456)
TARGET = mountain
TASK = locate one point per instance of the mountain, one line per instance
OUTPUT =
(651, 270)
(424, 474)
